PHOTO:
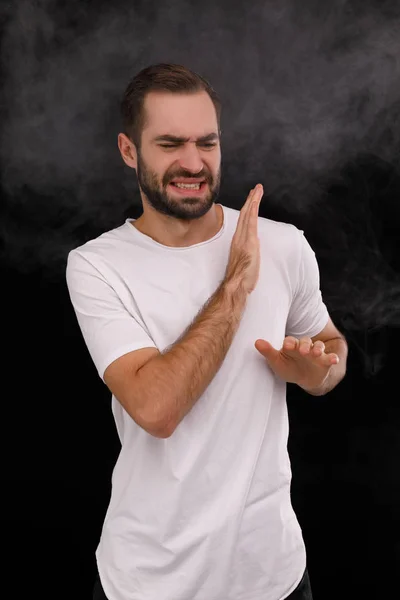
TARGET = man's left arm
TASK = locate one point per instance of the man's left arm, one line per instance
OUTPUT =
(306, 310)
(316, 364)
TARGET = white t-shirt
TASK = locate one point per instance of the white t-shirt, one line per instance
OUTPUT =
(205, 514)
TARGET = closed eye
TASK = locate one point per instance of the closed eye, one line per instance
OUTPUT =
(208, 145)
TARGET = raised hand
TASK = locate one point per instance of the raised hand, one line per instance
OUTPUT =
(244, 258)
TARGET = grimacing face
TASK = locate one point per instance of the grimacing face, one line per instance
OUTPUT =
(162, 159)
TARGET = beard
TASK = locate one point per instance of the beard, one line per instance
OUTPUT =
(183, 208)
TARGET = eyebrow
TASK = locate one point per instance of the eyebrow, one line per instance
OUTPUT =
(174, 138)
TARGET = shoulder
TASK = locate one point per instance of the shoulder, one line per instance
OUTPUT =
(278, 228)
(280, 237)
(101, 248)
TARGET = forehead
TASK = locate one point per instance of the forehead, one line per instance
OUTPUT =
(189, 115)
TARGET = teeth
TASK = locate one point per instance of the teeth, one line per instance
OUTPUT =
(189, 186)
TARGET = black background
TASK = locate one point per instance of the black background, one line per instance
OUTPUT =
(310, 109)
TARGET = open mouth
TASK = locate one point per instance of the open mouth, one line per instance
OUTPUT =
(189, 191)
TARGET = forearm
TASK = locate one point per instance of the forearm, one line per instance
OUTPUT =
(337, 372)
(173, 381)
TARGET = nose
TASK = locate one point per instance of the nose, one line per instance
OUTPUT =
(190, 159)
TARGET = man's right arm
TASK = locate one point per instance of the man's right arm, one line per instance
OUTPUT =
(161, 389)
(167, 386)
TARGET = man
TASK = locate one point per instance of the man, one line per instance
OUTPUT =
(196, 315)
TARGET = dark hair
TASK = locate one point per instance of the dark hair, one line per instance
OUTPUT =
(161, 77)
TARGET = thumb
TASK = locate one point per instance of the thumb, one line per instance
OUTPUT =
(266, 349)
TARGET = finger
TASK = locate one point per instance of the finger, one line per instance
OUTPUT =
(251, 218)
(247, 204)
(318, 348)
(267, 350)
(290, 343)
(247, 209)
(242, 215)
(333, 359)
(250, 224)
(255, 206)
(305, 345)
(327, 360)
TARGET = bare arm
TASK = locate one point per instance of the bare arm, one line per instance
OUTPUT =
(172, 382)
(169, 384)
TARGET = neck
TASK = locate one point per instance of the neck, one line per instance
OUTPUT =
(174, 233)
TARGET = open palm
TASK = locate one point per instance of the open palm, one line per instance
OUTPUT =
(299, 360)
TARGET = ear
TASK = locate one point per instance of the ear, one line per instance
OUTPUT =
(127, 150)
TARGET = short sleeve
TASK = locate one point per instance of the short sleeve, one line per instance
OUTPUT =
(308, 314)
(108, 328)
